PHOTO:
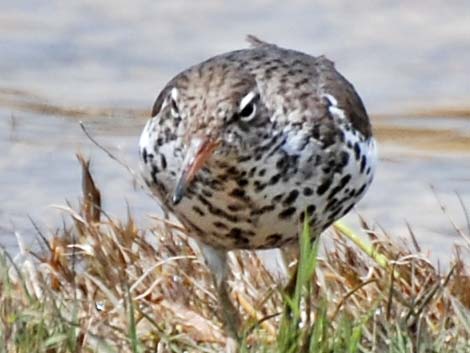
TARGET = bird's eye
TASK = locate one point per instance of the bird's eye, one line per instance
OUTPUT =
(174, 108)
(248, 107)
(248, 112)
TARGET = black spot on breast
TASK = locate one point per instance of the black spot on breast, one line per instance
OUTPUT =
(273, 239)
(334, 215)
(361, 190)
(261, 210)
(232, 171)
(331, 204)
(252, 172)
(206, 193)
(363, 163)
(288, 164)
(242, 182)
(316, 132)
(311, 210)
(357, 151)
(344, 159)
(239, 236)
(198, 211)
(326, 170)
(262, 172)
(259, 186)
(154, 173)
(204, 201)
(170, 136)
(324, 186)
(291, 197)
(308, 191)
(341, 136)
(216, 211)
(235, 207)
(282, 162)
(348, 209)
(220, 225)
(160, 141)
(235, 233)
(250, 233)
(302, 82)
(163, 161)
(288, 212)
(342, 183)
(144, 155)
(216, 184)
(242, 159)
(242, 242)
(190, 193)
(274, 179)
(237, 192)
(176, 121)
(278, 198)
(328, 138)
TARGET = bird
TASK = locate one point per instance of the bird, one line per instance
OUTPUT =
(246, 146)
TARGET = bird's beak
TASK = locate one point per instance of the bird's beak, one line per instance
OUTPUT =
(199, 151)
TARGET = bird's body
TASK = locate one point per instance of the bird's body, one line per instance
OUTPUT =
(243, 145)
(246, 145)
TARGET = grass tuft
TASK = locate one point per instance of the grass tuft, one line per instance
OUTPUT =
(105, 285)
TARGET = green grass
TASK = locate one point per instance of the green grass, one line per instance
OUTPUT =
(104, 285)
(44, 310)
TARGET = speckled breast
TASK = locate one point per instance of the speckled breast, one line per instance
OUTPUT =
(260, 200)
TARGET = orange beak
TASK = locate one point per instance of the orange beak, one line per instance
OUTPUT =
(199, 151)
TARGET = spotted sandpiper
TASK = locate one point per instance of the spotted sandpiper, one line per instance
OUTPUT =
(245, 145)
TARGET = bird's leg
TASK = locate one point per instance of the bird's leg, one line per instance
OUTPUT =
(216, 260)
(291, 252)
(276, 263)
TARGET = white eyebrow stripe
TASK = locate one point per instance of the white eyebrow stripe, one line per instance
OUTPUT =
(246, 100)
(331, 99)
(333, 108)
(174, 94)
(338, 112)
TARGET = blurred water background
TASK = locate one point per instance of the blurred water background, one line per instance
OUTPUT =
(104, 62)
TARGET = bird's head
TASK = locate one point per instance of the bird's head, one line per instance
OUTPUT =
(218, 110)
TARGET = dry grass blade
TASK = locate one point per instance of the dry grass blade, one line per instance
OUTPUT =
(466, 213)
(349, 294)
(413, 237)
(105, 150)
(252, 312)
(32, 102)
(91, 206)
